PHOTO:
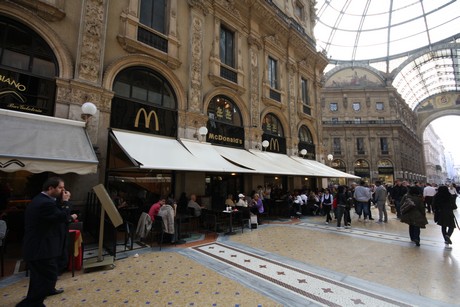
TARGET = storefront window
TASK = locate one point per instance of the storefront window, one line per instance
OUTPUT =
(145, 102)
(273, 133)
(306, 142)
(225, 124)
(28, 69)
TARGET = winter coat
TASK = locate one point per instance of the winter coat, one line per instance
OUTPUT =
(415, 216)
(443, 211)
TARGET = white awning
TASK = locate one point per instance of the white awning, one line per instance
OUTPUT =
(37, 143)
(301, 167)
(324, 169)
(208, 153)
(283, 161)
(249, 160)
(156, 152)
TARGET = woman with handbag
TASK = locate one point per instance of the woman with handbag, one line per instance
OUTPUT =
(415, 216)
(443, 206)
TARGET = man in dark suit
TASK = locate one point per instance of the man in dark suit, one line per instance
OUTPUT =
(44, 241)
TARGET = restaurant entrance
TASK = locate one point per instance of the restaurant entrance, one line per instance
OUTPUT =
(219, 186)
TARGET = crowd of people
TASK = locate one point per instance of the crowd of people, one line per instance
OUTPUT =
(48, 215)
(428, 198)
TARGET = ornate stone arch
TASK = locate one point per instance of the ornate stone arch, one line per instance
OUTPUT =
(230, 94)
(435, 115)
(145, 61)
(63, 56)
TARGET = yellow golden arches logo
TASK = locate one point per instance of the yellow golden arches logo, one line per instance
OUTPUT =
(274, 145)
(147, 119)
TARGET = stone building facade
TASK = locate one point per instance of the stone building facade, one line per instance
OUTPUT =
(368, 128)
(178, 64)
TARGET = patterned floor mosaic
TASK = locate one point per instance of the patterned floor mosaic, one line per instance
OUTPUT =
(304, 263)
(311, 286)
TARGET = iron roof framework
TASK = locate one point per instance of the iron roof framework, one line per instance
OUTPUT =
(415, 41)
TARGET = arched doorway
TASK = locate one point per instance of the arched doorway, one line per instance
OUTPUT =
(385, 171)
(361, 169)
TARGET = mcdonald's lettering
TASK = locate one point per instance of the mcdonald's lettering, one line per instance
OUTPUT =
(147, 119)
(274, 145)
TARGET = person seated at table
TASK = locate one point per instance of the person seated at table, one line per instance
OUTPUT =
(120, 200)
(257, 206)
(229, 201)
(242, 202)
(155, 208)
(313, 203)
(168, 214)
(193, 204)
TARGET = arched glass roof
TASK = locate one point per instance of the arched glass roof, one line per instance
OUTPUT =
(417, 40)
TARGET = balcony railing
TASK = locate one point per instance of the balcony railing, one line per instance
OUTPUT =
(362, 122)
(275, 95)
(152, 39)
(228, 74)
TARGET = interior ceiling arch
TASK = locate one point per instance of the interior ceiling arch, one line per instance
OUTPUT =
(386, 34)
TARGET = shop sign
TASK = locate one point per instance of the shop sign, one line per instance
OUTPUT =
(275, 143)
(224, 134)
(20, 92)
(386, 170)
(138, 117)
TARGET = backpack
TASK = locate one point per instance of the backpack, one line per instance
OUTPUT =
(407, 205)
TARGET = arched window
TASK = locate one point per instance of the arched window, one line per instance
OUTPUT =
(145, 86)
(144, 101)
(222, 109)
(272, 125)
(306, 142)
(362, 169)
(28, 68)
(273, 133)
(225, 124)
(305, 135)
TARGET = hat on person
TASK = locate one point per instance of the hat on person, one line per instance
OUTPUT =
(240, 195)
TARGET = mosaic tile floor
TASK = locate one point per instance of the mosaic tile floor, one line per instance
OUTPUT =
(305, 263)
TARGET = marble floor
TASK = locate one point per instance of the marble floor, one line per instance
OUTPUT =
(302, 262)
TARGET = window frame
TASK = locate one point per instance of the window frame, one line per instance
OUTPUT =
(273, 73)
(305, 97)
(331, 104)
(360, 147)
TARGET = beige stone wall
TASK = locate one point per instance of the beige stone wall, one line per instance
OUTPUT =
(348, 86)
(96, 39)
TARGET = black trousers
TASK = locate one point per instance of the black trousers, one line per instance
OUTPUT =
(43, 276)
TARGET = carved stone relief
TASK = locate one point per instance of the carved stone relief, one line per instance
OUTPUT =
(292, 96)
(254, 83)
(90, 56)
(196, 64)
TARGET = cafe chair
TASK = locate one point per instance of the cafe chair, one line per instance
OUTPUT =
(211, 223)
(245, 218)
(194, 220)
(71, 250)
(3, 236)
(157, 230)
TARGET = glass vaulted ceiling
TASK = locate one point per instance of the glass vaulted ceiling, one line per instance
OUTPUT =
(416, 40)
